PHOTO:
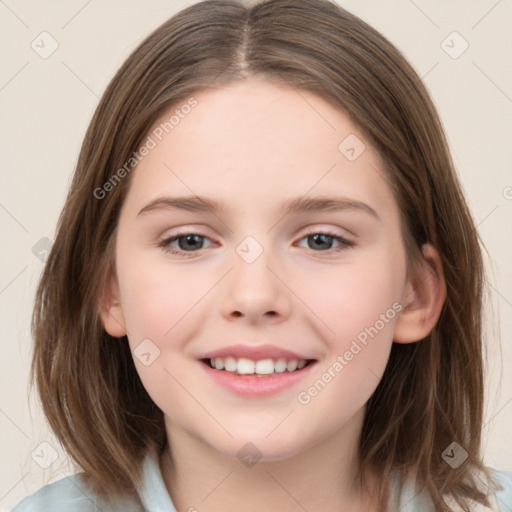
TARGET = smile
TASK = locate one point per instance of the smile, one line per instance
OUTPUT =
(261, 367)
(256, 378)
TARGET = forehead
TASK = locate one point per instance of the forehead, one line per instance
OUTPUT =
(258, 143)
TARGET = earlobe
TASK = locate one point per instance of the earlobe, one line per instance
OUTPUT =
(423, 299)
(111, 312)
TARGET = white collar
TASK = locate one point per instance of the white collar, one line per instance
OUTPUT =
(153, 493)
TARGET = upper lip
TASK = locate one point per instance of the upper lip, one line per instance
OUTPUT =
(254, 352)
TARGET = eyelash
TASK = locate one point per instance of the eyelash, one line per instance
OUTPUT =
(166, 242)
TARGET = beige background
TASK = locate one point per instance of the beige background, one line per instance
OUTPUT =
(46, 104)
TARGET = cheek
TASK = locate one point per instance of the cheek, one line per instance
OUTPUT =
(164, 304)
(359, 304)
(168, 304)
(160, 306)
(354, 298)
(156, 300)
(363, 321)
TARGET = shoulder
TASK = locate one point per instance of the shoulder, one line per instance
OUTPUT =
(498, 490)
(69, 494)
(499, 493)
(72, 494)
(504, 494)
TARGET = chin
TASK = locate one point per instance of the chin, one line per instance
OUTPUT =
(249, 448)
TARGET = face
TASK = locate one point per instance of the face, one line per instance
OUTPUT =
(323, 281)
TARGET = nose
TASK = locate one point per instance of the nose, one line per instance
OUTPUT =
(256, 291)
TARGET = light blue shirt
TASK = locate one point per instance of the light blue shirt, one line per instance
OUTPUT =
(70, 495)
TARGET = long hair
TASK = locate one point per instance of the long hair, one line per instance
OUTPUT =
(431, 393)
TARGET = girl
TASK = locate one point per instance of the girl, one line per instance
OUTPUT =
(266, 288)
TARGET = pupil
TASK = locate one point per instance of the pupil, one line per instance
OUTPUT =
(321, 236)
(194, 241)
(189, 238)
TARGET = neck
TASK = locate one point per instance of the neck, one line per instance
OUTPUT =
(320, 477)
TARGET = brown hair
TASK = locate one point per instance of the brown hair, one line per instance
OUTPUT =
(431, 393)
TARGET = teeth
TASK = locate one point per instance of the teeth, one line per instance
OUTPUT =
(244, 366)
(265, 366)
(292, 365)
(230, 364)
(280, 365)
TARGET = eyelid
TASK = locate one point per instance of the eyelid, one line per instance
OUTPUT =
(310, 230)
(335, 231)
(178, 234)
(165, 245)
(346, 243)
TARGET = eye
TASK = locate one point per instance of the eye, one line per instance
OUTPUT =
(187, 243)
(323, 240)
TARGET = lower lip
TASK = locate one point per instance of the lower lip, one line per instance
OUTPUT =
(252, 386)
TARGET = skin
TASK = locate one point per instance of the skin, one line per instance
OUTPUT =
(253, 146)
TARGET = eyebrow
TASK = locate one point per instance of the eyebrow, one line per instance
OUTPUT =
(194, 203)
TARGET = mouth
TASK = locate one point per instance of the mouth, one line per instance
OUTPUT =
(262, 368)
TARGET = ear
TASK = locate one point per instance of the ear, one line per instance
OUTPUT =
(111, 313)
(423, 299)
